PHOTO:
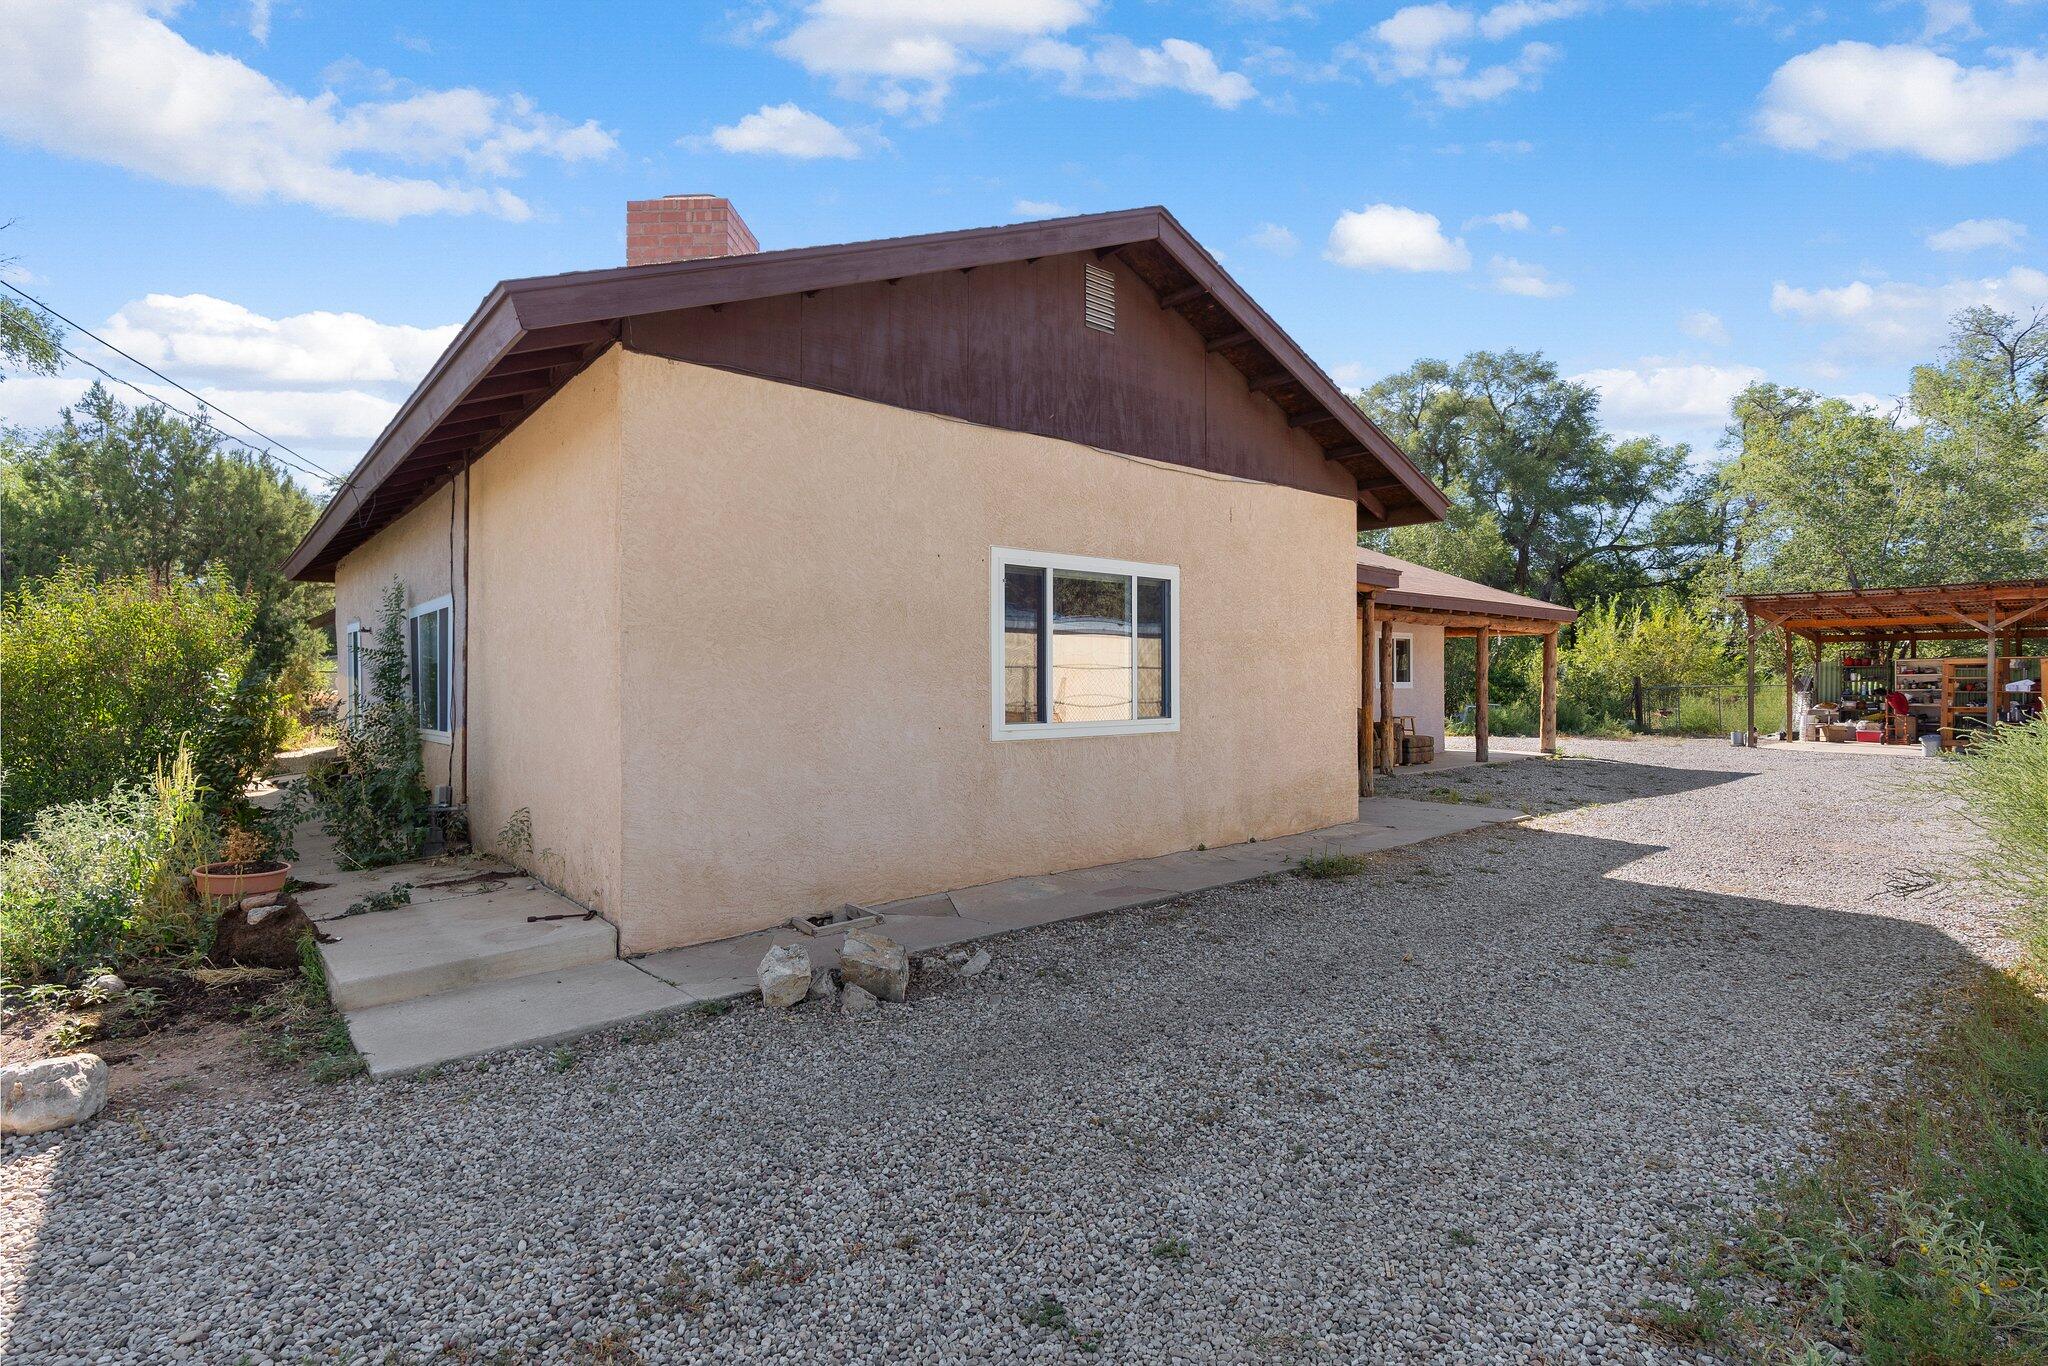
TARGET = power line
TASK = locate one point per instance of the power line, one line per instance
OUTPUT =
(303, 463)
(196, 421)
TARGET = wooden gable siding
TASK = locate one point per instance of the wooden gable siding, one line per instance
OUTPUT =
(1005, 345)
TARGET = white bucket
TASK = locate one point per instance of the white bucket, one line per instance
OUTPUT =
(1738, 738)
(1930, 745)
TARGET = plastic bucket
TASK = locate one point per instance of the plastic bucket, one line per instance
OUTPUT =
(1930, 745)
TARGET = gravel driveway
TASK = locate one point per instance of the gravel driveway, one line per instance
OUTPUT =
(1458, 1108)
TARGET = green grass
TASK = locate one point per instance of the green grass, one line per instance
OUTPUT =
(1331, 866)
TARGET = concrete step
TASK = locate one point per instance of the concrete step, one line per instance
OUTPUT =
(447, 945)
(541, 1007)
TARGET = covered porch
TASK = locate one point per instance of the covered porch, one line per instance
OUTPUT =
(1880, 632)
(1393, 593)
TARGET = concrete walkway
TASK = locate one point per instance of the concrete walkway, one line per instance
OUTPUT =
(489, 963)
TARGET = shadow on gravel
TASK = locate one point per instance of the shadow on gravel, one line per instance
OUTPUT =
(1539, 785)
(1490, 1078)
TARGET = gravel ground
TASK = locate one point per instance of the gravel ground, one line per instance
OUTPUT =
(1458, 1108)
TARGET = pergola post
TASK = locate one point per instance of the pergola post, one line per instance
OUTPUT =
(1546, 727)
(1790, 640)
(1482, 728)
(1991, 665)
(1367, 759)
(1749, 664)
(1385, 744)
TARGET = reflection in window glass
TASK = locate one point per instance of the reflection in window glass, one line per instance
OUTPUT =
(1152, 646)
(1091, 647)
(1404, 660)
(1023, 645)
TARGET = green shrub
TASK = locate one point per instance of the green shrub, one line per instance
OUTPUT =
(2003, 781)
(106, 680)
(102, 882)
(372, 798)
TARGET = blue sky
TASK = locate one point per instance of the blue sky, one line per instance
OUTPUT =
(289, 205)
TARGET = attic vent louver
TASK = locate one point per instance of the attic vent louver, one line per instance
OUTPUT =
(1098, 298)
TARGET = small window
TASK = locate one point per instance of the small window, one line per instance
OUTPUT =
(1404, 661)
(1098, 297)
(1083, 646)
(429, 635)
(352, 661)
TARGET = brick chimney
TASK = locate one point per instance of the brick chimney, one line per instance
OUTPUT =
(685, 227)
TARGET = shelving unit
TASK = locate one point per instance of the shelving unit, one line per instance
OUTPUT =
(1920, 681)
(1962, 700)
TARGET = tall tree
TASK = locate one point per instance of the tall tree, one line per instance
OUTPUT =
(1548, 503)
(1825, 493)
(117, 490)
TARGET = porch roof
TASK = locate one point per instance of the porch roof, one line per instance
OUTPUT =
(1951, 611)
(1402, 589)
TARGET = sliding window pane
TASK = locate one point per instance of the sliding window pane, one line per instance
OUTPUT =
(1153, 645)
(1023, 645)
(1091, 647)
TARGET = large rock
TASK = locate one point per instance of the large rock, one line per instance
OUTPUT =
(53, 1093)
(784, 975)
(876, 964)
(856, 1004)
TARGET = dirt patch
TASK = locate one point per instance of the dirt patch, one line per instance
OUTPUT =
(186, 1034)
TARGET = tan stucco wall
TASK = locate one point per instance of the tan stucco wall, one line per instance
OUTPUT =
(544, 654)
(1424, 700)
(414, 550)
(805, 667)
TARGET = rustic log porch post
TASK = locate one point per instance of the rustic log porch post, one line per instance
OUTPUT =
(1547, 725)
(1367, 760)
(1385, 743)
(1990, 665)
(1482, 727)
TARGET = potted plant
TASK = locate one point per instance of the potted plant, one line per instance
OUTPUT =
(245, 868)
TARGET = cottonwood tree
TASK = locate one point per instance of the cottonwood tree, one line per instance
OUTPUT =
(1545, 502)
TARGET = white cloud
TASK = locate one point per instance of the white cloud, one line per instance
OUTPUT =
(1850, 97)
(1701, 325)
(1903, 321)
(906, 55)
(1389, 237)
(1520, 277)
(1513, 220)
(259, 20)
(1687, 402)
(1421, 42)
(1273, 237)
(782, 130)
(1039, 208)
(1506, 20)
(1948, 16)
(197, 335)
(1117, 68)
(1974, 234)
(323, 382)
(107, 81)
(1415, 35)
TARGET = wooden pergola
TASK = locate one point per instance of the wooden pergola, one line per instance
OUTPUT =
(1394, 592)
(1891, 618)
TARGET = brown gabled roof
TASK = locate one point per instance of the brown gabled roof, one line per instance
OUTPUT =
(1432, 590)
(529, 337)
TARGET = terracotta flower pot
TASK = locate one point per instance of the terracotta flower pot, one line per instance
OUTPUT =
(221, 882)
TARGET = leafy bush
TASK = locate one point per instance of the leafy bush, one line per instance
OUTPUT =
(1662, 642)
(103, 881)
(372, 798)
(105, 681)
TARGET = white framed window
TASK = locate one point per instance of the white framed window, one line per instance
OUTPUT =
(1404, 661)
(429, 636)
(352, 661)
(1081, 646)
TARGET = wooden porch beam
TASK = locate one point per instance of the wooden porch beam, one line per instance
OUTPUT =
(1228, 340)
(1546, 727)
(1482, 724)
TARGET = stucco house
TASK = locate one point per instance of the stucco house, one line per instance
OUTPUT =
(769, 581)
